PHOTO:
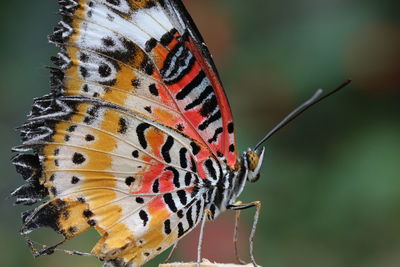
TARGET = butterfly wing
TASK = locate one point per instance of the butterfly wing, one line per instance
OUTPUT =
(136, 123)
(222, 132)
(110, 168)
(149, 57)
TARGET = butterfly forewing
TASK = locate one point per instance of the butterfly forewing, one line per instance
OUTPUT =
(146, 58)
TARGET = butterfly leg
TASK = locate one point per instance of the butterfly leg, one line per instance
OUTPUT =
(46, 250)
(240, 207)
(171, 253)
(235, 234)
(203, 222)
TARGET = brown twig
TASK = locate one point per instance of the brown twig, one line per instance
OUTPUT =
(204, 263)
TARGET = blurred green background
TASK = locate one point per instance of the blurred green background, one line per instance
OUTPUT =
(330, 184)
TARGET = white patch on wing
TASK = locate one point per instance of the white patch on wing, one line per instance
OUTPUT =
(92, 90)
(153, 21)
(100, 15)
(134, 223)
(158, 13)
(62, 182)
(94, 37)
(143, 24)
(177, 20)
(97, 69)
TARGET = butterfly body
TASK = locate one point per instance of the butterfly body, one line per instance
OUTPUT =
(136, 138)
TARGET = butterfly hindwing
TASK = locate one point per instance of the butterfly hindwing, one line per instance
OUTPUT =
(112, 169)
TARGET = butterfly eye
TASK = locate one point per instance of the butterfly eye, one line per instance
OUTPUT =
(252, 159)
(254, 162)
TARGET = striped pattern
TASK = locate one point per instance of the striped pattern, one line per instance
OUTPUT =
(194, 93)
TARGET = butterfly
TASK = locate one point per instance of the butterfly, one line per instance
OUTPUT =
(136, 138)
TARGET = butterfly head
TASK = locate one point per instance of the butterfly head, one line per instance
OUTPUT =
(253, 160)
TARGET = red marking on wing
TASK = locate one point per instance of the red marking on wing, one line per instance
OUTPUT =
(148, 178)
(166, 184)
(156, 205)
(222, 103)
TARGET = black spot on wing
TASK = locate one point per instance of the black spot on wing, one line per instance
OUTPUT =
(104, 70)
(83, 57)
(153, 89)
(168, 199)
(181, 230)
(78, 158)
(182, 196)
(232, 148)
(74, 180)
(167, 227)
(188, 178)
(92, 114)
(230, 127)
(141, 128)
(156, 186)
(189, 217)
(182, 157)
(147, 66)
(166, 148)
(148, 109)
(108, 42)
(72, 128)
(209, 106)
(180, 213)
(144, 217)
(123, 126)
(180, 127)
(87, 213)
(175, 179)
(150, 44)
(135, 154)
(114, 2)
(84, 72)
(210, 168)
(193, 166)
(129, 180)
(89, 138)
(195, 148)
(136, 83)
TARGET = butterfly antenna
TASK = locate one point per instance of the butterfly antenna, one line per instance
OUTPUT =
(316, 98)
